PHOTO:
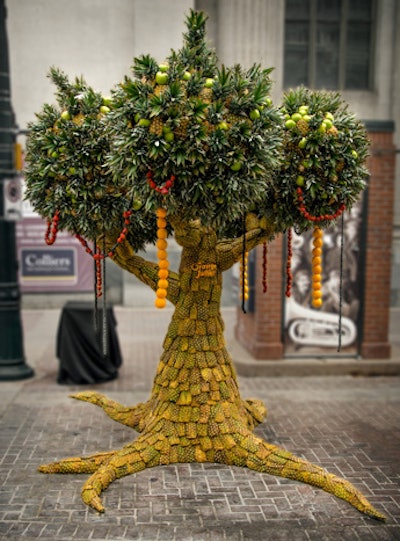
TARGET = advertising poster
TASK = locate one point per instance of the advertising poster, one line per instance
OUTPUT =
(320, 332)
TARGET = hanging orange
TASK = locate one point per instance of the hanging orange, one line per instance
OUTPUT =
(163, 274)
(161, 244)
(163, 263)
(160, 303)
(162, 254)
(316, 262)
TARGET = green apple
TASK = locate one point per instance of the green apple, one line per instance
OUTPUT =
(161, 78)
(300, 180)
(223, 126)
(329, 116)
(296, 117)
(137, 204)
(163, 67)
(254, 114)
(65, 115)
(104, 109)
(236, 166)
(169, 136)
(290, 124)
(186, 76)
(303, 109)
(107, 100)
(267, 100)
(209, 82)
(144, 122)
(354, 153)
(302, 142)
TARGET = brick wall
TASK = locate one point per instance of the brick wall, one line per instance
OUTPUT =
(381, 165)
(260, 332)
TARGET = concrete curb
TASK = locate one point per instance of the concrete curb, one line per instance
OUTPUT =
(247, 366)
(316, 367)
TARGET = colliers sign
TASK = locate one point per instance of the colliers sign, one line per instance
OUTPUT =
(49, 264)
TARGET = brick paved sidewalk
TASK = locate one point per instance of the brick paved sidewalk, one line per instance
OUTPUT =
(350, 426)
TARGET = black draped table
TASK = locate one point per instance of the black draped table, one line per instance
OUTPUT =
(79, 346)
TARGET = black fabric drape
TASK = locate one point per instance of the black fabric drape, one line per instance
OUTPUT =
(79, 347)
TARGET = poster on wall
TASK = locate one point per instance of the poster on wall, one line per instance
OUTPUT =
(334, 326)
(63, 267)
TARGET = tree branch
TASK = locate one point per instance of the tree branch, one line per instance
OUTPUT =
(145, 271)
(230, 250)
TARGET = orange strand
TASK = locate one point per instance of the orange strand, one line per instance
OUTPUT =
(163, 263)
(98, 258)
(244, 277)
(316, 277)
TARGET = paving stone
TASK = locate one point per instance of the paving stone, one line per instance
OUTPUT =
(350, 426)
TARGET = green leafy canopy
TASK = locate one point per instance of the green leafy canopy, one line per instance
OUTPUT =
(325, 149)
(214, 129)
(201, 140)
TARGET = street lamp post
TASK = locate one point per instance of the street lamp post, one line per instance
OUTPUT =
(12, 361)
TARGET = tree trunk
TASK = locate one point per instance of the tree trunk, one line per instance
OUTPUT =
(195, 412)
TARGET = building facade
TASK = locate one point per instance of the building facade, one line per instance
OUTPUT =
(349, 45)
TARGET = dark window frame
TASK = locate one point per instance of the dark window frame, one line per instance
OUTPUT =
(344, 21)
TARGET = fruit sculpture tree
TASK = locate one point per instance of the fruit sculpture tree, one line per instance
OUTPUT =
(198, 151)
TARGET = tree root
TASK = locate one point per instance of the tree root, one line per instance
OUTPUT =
(258, 455)
(124, 462)
(134, 416)
(256, 412)
(228, 442)
(88, 464)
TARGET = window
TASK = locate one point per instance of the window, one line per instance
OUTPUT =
(329, 44)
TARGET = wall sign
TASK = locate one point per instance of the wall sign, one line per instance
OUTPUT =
(12, 197)
(50, 264)
(64, 267)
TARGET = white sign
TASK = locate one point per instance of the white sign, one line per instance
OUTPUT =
(12, 196)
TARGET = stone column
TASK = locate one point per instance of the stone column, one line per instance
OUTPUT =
(252, 32)
(158, 26)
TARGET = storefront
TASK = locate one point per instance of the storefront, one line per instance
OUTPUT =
(354, 318)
